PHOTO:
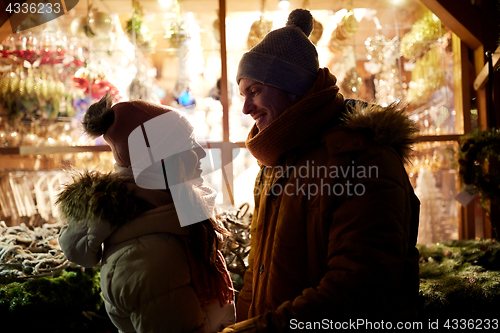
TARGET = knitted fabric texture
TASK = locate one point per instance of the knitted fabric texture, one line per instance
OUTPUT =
(130, 115)
(304, 119)
(285, 58)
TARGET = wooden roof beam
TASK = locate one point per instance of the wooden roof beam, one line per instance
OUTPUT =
(463, 18)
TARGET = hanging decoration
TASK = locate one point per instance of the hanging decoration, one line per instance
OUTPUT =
(477, 150)
(185, 97)
(351, 82)
(426, 77)
(176, 30)
(99, 23)
(430, 207)
(343, 33)
(317, 31)
(94, 24)
(34, 82)
(382, 62)
(260, 28)
(79, 27)
(421, 36)
(432, 159)
(344, 65)
(38, 49)
(432, 187)
(422, 47)
(27, 89)
(98, 88)
(140, 88)
(343, 60)
(433, 119)
(258, 31)
(139, 32)
(216, 28)
(186, 38)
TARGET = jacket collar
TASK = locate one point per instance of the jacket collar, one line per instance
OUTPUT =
(389, 125)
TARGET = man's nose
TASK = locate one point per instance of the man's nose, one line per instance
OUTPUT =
(248, 107)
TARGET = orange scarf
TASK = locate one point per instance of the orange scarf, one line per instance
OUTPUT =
(309, 116)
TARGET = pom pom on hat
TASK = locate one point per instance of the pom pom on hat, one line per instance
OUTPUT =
(99, 117)
(285, 58)
(303, 19)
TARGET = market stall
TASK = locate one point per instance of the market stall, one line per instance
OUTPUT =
(177, 53)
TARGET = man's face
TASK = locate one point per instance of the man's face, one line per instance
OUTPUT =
(264, 103)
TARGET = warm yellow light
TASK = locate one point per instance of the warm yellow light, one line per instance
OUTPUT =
(165, 3)
(284, 4)
(339, 15)
(359, 13)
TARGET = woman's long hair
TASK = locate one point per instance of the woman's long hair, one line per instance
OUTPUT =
(209, 273)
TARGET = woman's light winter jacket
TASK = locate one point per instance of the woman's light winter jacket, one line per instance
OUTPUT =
(136, 235)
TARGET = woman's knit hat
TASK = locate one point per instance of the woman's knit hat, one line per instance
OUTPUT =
(285, 58)
(129, 130)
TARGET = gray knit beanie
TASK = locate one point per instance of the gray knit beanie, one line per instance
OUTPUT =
(285, 58)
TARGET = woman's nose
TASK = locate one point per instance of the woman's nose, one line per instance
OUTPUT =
(200, 151)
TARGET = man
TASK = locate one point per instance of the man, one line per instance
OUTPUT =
(336, 219)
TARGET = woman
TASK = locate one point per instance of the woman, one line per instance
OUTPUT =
(157, 275)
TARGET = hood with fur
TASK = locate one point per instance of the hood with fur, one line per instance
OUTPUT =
(96, 197)
(116, 200)
(110, 208)
(388, 125)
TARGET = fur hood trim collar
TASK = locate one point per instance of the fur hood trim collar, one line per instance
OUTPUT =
(388, 125)
(95, 197)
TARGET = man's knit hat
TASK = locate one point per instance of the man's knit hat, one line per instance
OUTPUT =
(160, 138)
(285, 58)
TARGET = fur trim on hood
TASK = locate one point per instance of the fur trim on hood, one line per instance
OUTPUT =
(388, 125)
(93, 196)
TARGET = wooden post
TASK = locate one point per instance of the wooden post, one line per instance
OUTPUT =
(466, 222)
(226, 151)
(467, 226)
(5, 31)
(462, 95)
